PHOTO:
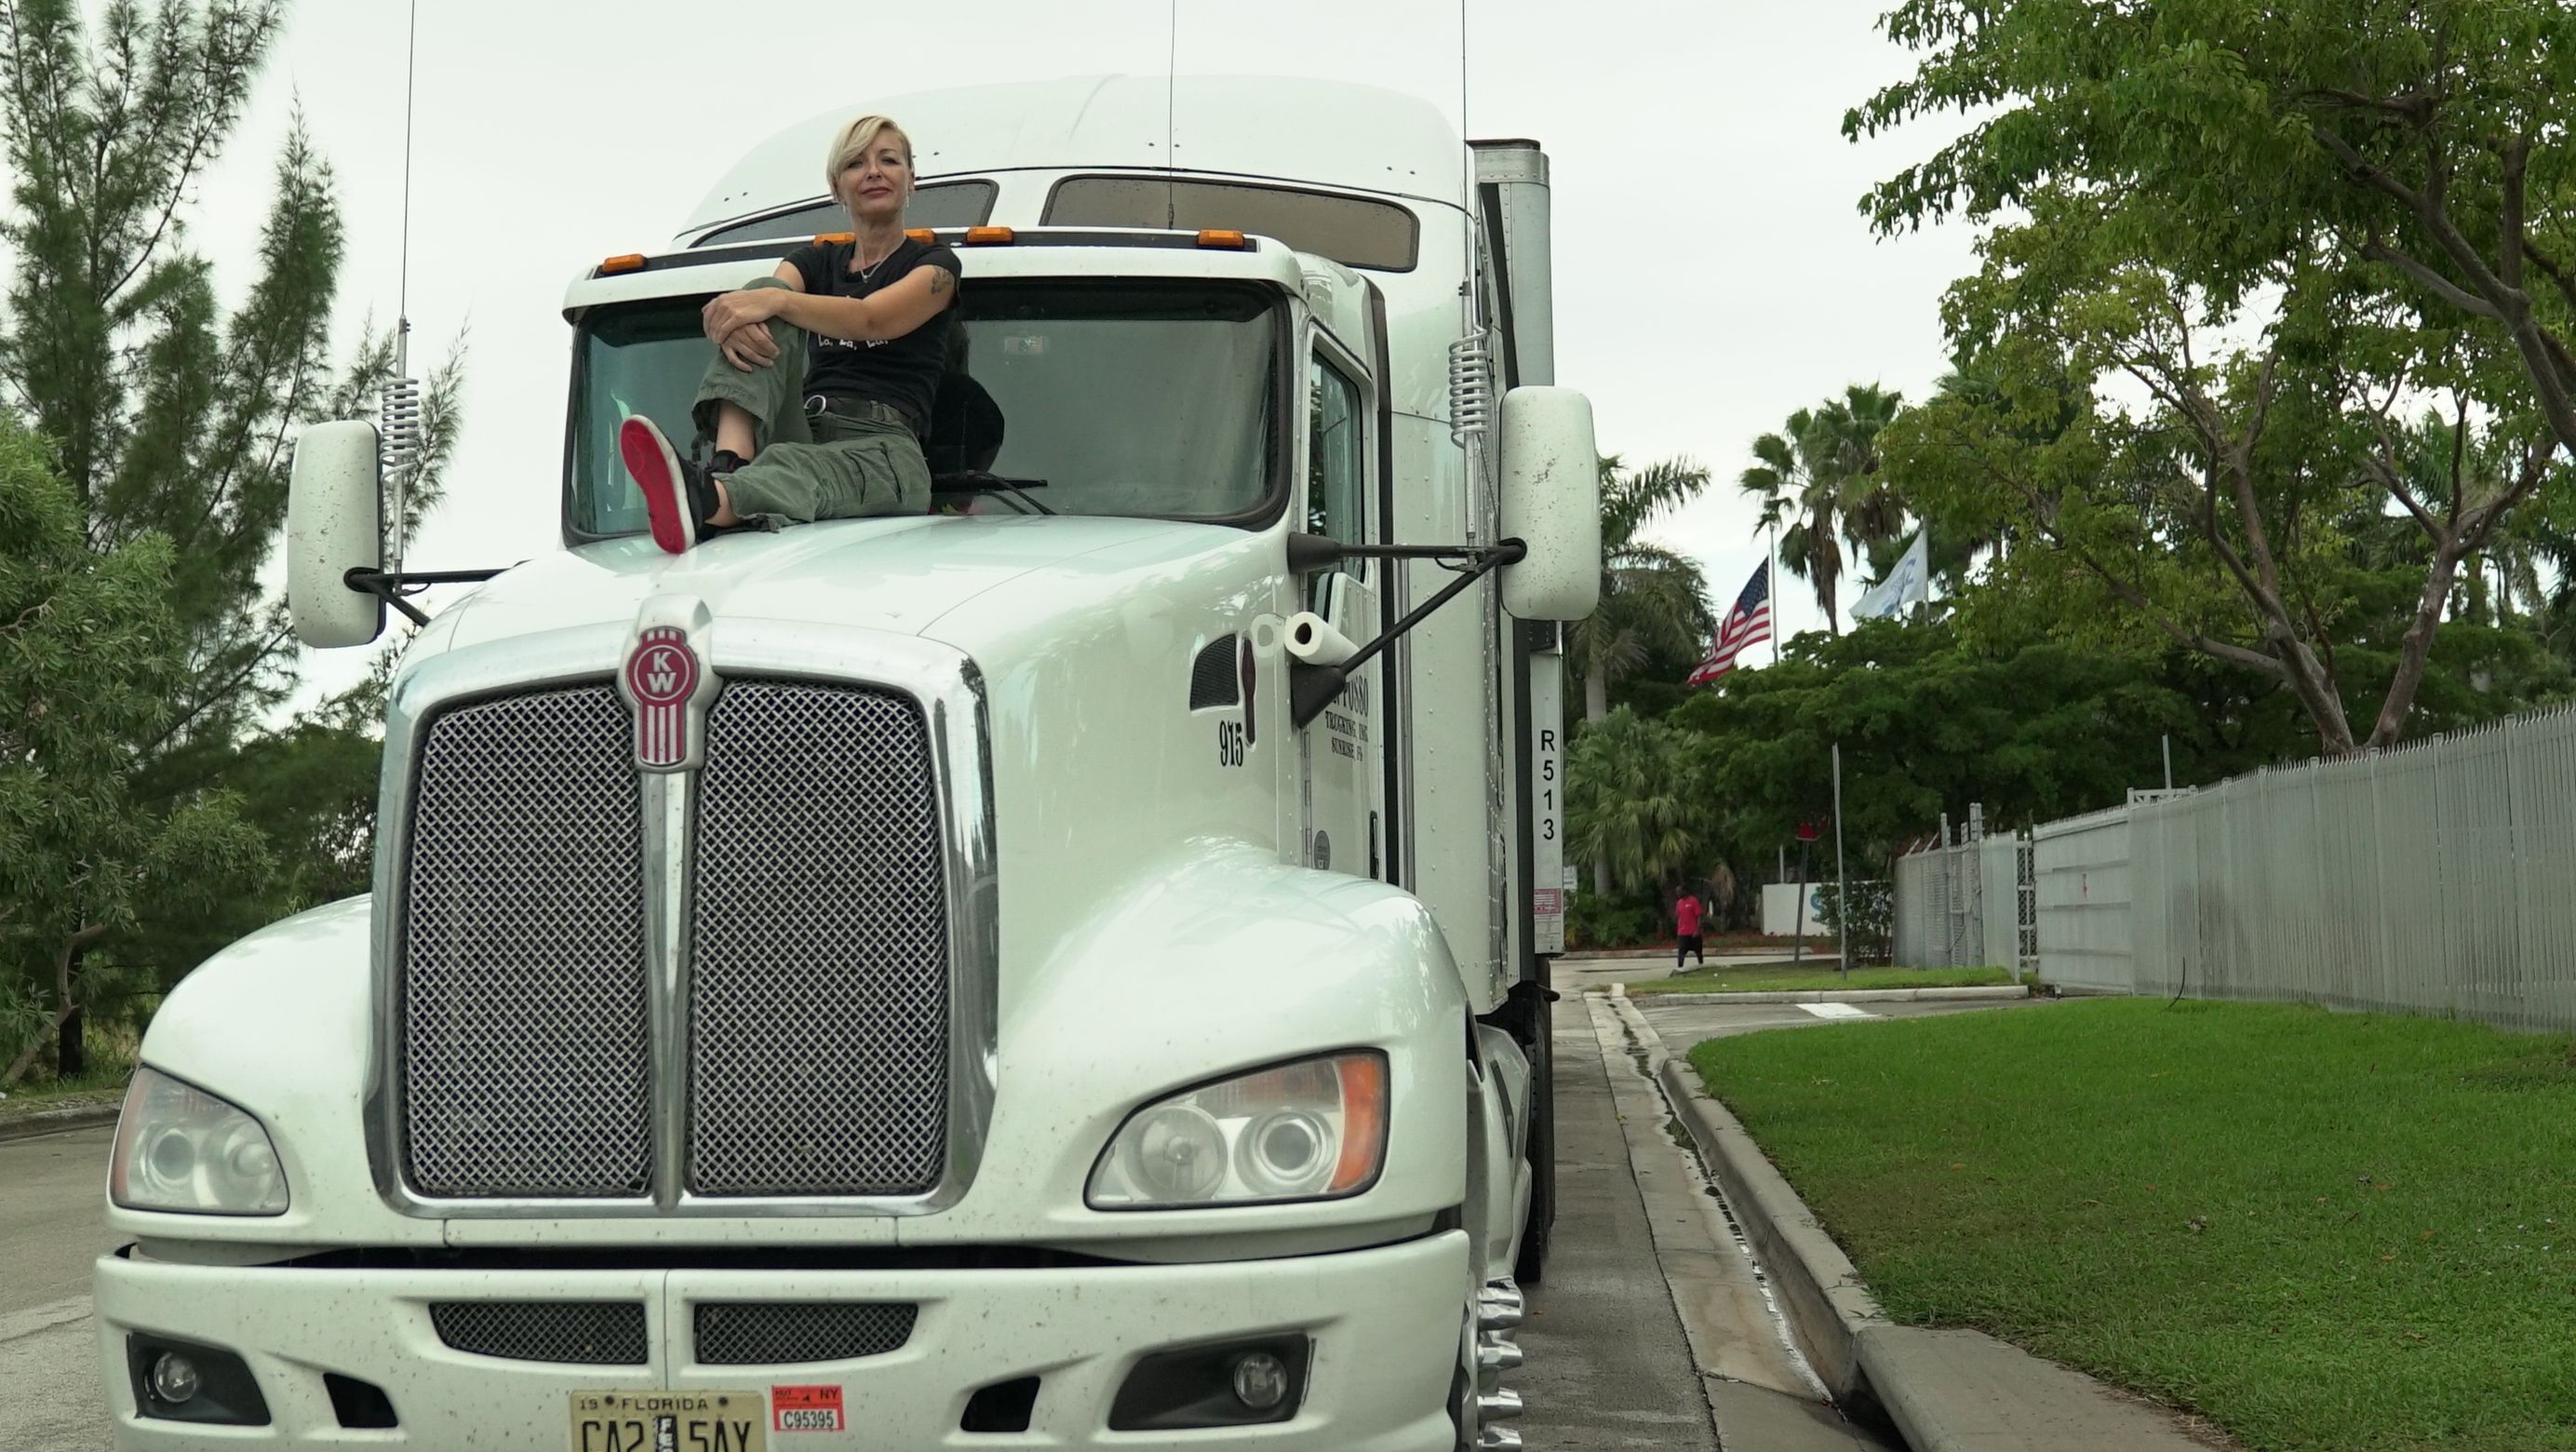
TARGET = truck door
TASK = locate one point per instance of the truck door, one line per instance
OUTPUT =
(1339, 767)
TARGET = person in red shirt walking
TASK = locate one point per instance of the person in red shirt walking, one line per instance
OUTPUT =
(1686, 930)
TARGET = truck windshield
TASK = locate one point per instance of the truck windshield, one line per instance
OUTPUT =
(1125, 399)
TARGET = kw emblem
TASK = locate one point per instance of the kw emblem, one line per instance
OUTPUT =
(661, 680)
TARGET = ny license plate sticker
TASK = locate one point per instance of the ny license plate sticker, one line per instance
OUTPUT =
(805, 1409)
(673, 1421)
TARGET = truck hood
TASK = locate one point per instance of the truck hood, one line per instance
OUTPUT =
(898, 575)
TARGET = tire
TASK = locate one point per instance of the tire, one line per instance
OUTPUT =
(1531, 1266)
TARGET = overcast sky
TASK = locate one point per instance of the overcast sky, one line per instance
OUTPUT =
(1713, 273)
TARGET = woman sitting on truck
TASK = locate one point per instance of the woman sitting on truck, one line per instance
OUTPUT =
(817, 401)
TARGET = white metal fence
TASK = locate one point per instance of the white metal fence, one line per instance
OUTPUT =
(1965, 904)
(2438, 879)
(2083, 869)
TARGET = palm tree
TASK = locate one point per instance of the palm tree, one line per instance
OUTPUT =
(1635, 802)
(1820, 484)
(1653, 601)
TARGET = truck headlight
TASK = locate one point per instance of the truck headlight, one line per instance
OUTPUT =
(180, 1148)
(1311, 1130)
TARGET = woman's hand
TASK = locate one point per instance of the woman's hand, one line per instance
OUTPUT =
(749, 347)
(734, 311)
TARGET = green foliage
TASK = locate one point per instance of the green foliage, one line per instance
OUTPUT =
(1820, 484)
(1654, 602)
(1871, 932)
(1637, 802)
(1928, 724)
(171, 416)
(90, 650)
(2232, 249)
(2320, 1230)
(1593, 921)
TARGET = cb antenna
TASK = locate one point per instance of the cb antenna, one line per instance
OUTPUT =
(1471, 374)
(1171, 129)
(399, 429)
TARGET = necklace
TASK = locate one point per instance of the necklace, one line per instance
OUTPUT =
(869, 271)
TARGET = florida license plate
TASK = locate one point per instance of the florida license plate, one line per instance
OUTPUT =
(672, 1421)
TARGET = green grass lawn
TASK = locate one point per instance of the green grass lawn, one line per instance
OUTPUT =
(1787, 978)
(2320, 1230)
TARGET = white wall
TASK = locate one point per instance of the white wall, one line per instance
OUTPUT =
(1780, 909)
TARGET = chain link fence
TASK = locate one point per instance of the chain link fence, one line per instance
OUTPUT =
(1968, 902)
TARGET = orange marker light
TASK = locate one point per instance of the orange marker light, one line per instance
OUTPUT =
(922, 235)
(631, 262)
(990, 236)
(835, 239)
(1363, 1121)
(1221, 238)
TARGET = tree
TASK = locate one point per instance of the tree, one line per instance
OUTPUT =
(1820, 483)
(1634, 802)
(171, 416)
(2379, 193)
(90, 650)
(1653, 601)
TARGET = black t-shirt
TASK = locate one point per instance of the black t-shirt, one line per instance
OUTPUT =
(901, 371)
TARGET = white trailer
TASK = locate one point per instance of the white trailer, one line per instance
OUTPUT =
(1066, 970)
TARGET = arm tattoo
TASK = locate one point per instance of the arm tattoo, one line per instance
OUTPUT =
(941, 282)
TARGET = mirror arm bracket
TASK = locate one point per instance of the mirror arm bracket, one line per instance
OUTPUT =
(1312, 687)
(390, 583)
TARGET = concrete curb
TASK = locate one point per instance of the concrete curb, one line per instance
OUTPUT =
(56, 1121)
(1944, 1390)
(1839, 995)
(1816, 1284)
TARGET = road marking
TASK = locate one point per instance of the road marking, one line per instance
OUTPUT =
(1837, 1010)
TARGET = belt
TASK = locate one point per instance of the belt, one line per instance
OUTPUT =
(861, 410)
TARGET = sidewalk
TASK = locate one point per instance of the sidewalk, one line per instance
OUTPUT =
(70, 1112)
(1945, 1390)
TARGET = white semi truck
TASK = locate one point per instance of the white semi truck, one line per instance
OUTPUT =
(1066, 970)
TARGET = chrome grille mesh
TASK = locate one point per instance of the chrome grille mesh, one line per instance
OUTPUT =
(525, 1049)
(818, 1002)
(780, 1333)
(579, 1333)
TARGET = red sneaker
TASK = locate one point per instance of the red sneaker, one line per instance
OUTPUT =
(678, 496)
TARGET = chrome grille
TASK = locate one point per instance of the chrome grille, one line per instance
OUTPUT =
(526, 1056)
(818, 999)
(579, 1333)
(781, 1333)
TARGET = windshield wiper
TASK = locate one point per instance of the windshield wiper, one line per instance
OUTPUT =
(976, 481)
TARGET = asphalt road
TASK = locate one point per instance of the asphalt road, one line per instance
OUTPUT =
(51, 1190)
(1683, 1019)
(1650, 1331)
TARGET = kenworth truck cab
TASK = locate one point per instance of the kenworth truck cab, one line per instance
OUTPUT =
(1067, 969)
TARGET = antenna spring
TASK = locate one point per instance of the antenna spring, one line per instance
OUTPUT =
(399, 423)
(1471, 387)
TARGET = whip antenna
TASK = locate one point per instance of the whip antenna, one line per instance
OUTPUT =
(399, 427)
(1471, 376)
(1171, 105)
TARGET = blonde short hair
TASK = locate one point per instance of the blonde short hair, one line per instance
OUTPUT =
(853, 143)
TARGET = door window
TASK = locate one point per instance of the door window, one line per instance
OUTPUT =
(1336, 461)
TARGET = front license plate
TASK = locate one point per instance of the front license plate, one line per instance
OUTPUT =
(673, 1421)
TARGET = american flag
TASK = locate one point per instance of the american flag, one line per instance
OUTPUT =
(1748, 623)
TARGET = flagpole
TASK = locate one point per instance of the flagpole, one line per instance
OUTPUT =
(1779, 603)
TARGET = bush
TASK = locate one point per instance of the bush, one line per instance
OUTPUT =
(1873, 914)
(1599, 922)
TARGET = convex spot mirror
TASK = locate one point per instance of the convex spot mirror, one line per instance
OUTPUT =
(335, 524)
(1551, 503)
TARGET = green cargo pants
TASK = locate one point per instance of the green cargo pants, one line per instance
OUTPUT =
(826, 467)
